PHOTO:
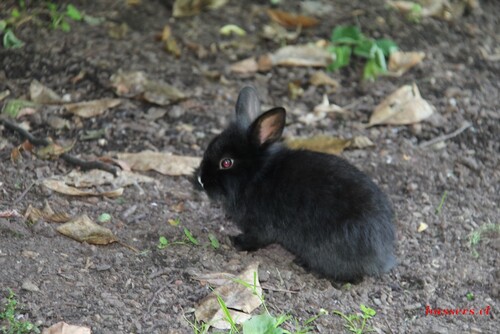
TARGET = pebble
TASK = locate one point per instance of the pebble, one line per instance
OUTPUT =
(30, 286)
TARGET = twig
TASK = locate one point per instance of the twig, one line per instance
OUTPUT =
(84, 165)
(455, 133)
(24, 193)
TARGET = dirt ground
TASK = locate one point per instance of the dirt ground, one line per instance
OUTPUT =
(114, 290)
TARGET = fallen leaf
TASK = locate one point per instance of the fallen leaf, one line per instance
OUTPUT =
(15, 154)
(53, 150)
(184, 8)
(320, 78)
(230, 29)
(404, 106)
(64, 328)
(278, 34)
(239, 299)
(97, 177)
(4, 94)
(295, 90)
(61, 187)
(58, 123)
(327, 144)
(93, 108)
(83, 229)
(422, 227)
(42, 94)
(289, 20)
(442, 9)
(302, 55)
(136, 84)
(47, 214)
(164, 163)
(245, 66)
(325, 106)
(16, 108)
(400, 62)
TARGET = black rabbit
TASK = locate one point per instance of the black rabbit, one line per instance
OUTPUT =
(324, 210)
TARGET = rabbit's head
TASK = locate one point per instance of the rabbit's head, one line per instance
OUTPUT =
(236, 156)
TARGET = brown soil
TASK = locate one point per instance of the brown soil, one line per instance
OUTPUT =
(114, 290)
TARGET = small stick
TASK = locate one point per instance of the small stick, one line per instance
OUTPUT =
(24, 193)
(455, 133)
(84, 165)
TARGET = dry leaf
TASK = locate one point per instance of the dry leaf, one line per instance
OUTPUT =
(245, 66)
(42, 94)
(64, 328)
(441, 9)
(327, 144)
(47, 214)
(93, 108)
(302, 55)
(58, 123)
(164, 163)
(325, 107)
(215, 279)
(400, 62)
(61, 187)
(404, 106)
(53, 150)
(291, 20)
(4, 94)
(278, 34)
(422, 227)
(184, 8)
(97, 177)
(239, 299)
(136, 84)
(320, 78)
(83, 229)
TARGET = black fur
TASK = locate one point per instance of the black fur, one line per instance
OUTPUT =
(318, 206)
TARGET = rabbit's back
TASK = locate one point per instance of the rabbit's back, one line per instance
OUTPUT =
(324, 210)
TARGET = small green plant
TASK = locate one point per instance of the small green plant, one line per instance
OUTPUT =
(264, 323)
(9, 321)
(59, 19)
(190, 237)
(476, 236)
(470, 296)
(356, 323)
(440, 206)
(348, 41)
(213, 241)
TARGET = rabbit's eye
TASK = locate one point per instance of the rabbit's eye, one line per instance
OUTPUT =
(226, 163)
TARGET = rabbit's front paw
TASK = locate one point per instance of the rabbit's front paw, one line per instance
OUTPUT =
(247, 242)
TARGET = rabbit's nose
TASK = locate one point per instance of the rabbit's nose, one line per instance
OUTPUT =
(199, 181)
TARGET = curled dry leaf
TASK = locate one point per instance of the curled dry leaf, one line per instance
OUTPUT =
(289, 20)
(64, 328)
(184, 8)
(94, 108)
(245, 66)
(404, 106)
(47, 214)
(239, 299)
(164, 163)
(320, 78)
(136, 84)
(327, 144)
(61, 187)
(400, 62)
(42, 94)
(302, 55)
(320, 111)
(83, 229)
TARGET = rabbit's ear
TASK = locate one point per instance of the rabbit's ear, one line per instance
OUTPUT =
(247, 107)
(268, 127)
